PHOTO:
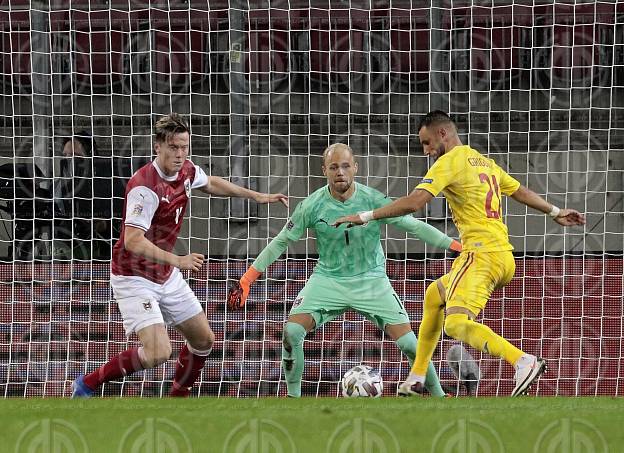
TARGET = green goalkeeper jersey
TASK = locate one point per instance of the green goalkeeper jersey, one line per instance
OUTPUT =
(345, 252)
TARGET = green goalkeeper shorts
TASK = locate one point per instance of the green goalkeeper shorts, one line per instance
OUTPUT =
(372, 296)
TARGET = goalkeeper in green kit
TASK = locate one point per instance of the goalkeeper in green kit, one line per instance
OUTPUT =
(351, 271)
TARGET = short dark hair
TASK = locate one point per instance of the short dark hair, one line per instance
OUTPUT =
(169, 125)
(433, 118)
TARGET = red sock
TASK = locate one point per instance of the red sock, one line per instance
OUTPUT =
(121, 365)
(188, 367)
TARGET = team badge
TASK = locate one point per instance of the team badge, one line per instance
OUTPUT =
(298, 301)
(137, 210)
(147, 305)
(187, 187)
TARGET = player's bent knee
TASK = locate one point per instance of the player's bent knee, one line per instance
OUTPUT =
(162, 355)
(205, 342)
(157, 355)
(294, 334)
(433, 298)
(210, 339)
(455, 325)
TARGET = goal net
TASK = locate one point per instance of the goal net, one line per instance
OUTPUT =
(537, 86)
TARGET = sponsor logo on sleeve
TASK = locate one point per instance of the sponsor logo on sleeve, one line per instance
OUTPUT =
(426, 181)
(187, 187)
(290, 225)
(137, 210)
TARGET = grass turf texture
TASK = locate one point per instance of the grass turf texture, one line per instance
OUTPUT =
(314, 425)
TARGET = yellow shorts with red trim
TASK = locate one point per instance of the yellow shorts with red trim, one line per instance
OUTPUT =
(474, 276)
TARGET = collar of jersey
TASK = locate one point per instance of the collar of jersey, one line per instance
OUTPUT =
(348, 200)
(456, 147)
(162, 175)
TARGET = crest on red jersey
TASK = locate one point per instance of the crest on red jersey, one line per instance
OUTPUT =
(187, 187)
(137, 210)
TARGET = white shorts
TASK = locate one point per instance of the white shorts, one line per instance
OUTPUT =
(143, 302)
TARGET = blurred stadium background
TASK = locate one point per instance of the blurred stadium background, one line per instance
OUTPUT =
(538, 86)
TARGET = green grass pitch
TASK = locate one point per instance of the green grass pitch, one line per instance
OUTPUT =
(355, 425)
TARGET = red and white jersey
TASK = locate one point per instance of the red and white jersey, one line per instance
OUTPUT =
(156, 203)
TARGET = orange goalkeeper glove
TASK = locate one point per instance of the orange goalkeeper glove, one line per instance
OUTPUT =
(456, 246)
(237, 295)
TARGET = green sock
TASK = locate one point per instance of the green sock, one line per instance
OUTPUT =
(407, 345)
(292, 357)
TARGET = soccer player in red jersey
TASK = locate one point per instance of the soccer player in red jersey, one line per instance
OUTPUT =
(145, 275)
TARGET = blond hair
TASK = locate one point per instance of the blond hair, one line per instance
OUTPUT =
(169, 125)
(335, 147)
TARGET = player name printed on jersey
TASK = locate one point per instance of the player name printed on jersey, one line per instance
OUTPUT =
(472, 185)
(155, 203)
(479, 162)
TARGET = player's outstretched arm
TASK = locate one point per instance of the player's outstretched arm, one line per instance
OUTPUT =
(237, 294)
(399, 207)
(136, 242)
(426, 233)
(222, 187)
(292, 231)
(564, 217)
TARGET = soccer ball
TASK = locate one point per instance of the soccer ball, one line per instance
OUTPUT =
(361, 380)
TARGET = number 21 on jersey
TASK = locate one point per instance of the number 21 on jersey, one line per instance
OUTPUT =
(493, 189)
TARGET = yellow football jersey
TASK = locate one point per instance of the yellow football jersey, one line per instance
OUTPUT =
(472, 185)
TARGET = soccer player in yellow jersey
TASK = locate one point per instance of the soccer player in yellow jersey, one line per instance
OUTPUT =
(473, 185)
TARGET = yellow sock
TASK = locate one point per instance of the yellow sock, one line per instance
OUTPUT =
(480, 337)
(430, 329)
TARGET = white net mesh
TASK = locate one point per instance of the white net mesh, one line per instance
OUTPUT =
(267, 86)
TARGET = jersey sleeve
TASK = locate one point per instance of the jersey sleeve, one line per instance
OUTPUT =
(414, 227)
(201, 179)
(141, 205)
(298, 222)
(271, 252)
(291, 232)
(423, 231)
(508, 184)
(440, 175)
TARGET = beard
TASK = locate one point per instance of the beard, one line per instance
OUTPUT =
(440, 152)
(343, 186)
